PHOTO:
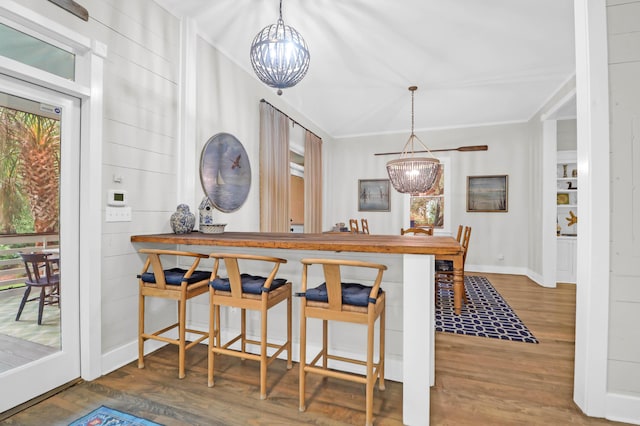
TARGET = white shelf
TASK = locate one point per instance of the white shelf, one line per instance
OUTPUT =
(566, 239)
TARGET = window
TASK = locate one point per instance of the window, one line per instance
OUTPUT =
(34, 52)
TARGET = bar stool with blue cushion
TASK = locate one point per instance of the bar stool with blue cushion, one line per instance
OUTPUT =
(246, 291)
(335, 300)
(175, 284)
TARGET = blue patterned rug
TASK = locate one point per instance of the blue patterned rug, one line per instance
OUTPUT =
(105, 416)
(486, 314)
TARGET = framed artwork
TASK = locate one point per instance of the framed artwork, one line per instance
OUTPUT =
(373, 195)
(225, 172)
(562, 198)
(488, 193)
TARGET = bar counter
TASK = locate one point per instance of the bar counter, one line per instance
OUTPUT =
(330, 241)
(418, 255)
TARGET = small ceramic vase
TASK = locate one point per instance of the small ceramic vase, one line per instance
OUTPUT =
(183, 221)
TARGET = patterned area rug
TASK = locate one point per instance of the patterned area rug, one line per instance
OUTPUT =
(105, 416)
(486, 314)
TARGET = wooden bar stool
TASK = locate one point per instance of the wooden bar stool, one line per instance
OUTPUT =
(347, 302)
(246, 291)
(175, 284)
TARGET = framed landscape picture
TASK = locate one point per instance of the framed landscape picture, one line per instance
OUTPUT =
(488, 193)
(373, 195)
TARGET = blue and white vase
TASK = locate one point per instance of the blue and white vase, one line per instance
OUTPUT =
(183, 221)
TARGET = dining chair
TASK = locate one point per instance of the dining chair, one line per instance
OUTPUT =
(365, 226)
(174, 283)
(335, 300)
(253, 292)
(444, 268)
(40, 275)
(353, 226)
(417, 231)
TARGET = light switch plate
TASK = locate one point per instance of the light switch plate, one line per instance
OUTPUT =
(118, 214)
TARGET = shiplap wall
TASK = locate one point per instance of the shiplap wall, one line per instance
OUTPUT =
(623, 18)
(139, 145)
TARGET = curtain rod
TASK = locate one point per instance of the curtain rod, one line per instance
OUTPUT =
(287, 115)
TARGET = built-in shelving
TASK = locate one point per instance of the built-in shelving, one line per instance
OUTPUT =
(566, 215)
(566, 193)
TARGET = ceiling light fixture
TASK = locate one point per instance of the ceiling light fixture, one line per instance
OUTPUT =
(409, 174)
(279, 55)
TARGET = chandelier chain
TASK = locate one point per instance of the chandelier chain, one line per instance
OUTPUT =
(413, 92)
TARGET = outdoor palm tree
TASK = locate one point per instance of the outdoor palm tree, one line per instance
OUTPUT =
(31, 167)
(12, 202)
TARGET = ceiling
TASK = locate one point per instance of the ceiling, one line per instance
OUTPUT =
(474, 62)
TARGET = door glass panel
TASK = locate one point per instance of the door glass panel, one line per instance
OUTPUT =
(31, 51)
(29, 223)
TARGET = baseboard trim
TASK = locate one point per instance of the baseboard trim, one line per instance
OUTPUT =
(623, 408)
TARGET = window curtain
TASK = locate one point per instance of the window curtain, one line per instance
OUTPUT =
(274, 170)
(312, 183)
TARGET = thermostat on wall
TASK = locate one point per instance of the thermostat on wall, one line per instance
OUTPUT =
(117, 198)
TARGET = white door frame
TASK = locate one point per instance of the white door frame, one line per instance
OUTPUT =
(592, 292)
(54, 370)
(88, 87)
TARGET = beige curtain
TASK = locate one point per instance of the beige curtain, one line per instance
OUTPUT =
(312, 183)
(274, 170)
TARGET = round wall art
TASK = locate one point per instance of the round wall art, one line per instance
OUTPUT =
(225, 172)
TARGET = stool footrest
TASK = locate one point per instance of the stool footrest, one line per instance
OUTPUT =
(340, 358)
(336, 374)
(224, 349)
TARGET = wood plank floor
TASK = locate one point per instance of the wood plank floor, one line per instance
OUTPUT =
(15, 352)
(479, 381)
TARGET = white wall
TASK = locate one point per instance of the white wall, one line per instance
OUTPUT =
(493, 234)
(624, 68)
(567, 135)
(541, 198)
(139, 144)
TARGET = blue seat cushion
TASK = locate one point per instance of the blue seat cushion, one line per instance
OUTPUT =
(175, 276)
(352, 294)
(444, 265)
(252, 284)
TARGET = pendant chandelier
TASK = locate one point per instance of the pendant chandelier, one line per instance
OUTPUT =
(279, 55)
(409, 174)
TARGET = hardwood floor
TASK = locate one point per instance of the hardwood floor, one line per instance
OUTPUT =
(479, 381)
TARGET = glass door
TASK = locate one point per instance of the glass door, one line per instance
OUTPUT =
(39, 214)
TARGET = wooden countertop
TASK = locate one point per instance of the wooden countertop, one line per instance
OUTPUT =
(344, 241)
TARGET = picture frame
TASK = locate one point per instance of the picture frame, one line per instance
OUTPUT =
(562, 198)
(373, 195)
(488, 193)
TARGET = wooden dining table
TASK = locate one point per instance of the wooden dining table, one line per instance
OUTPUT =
(418, 253)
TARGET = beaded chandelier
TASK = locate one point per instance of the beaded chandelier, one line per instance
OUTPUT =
(279, 55)
(409, 174)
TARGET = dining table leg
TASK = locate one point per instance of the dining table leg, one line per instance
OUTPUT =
(458, 283)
